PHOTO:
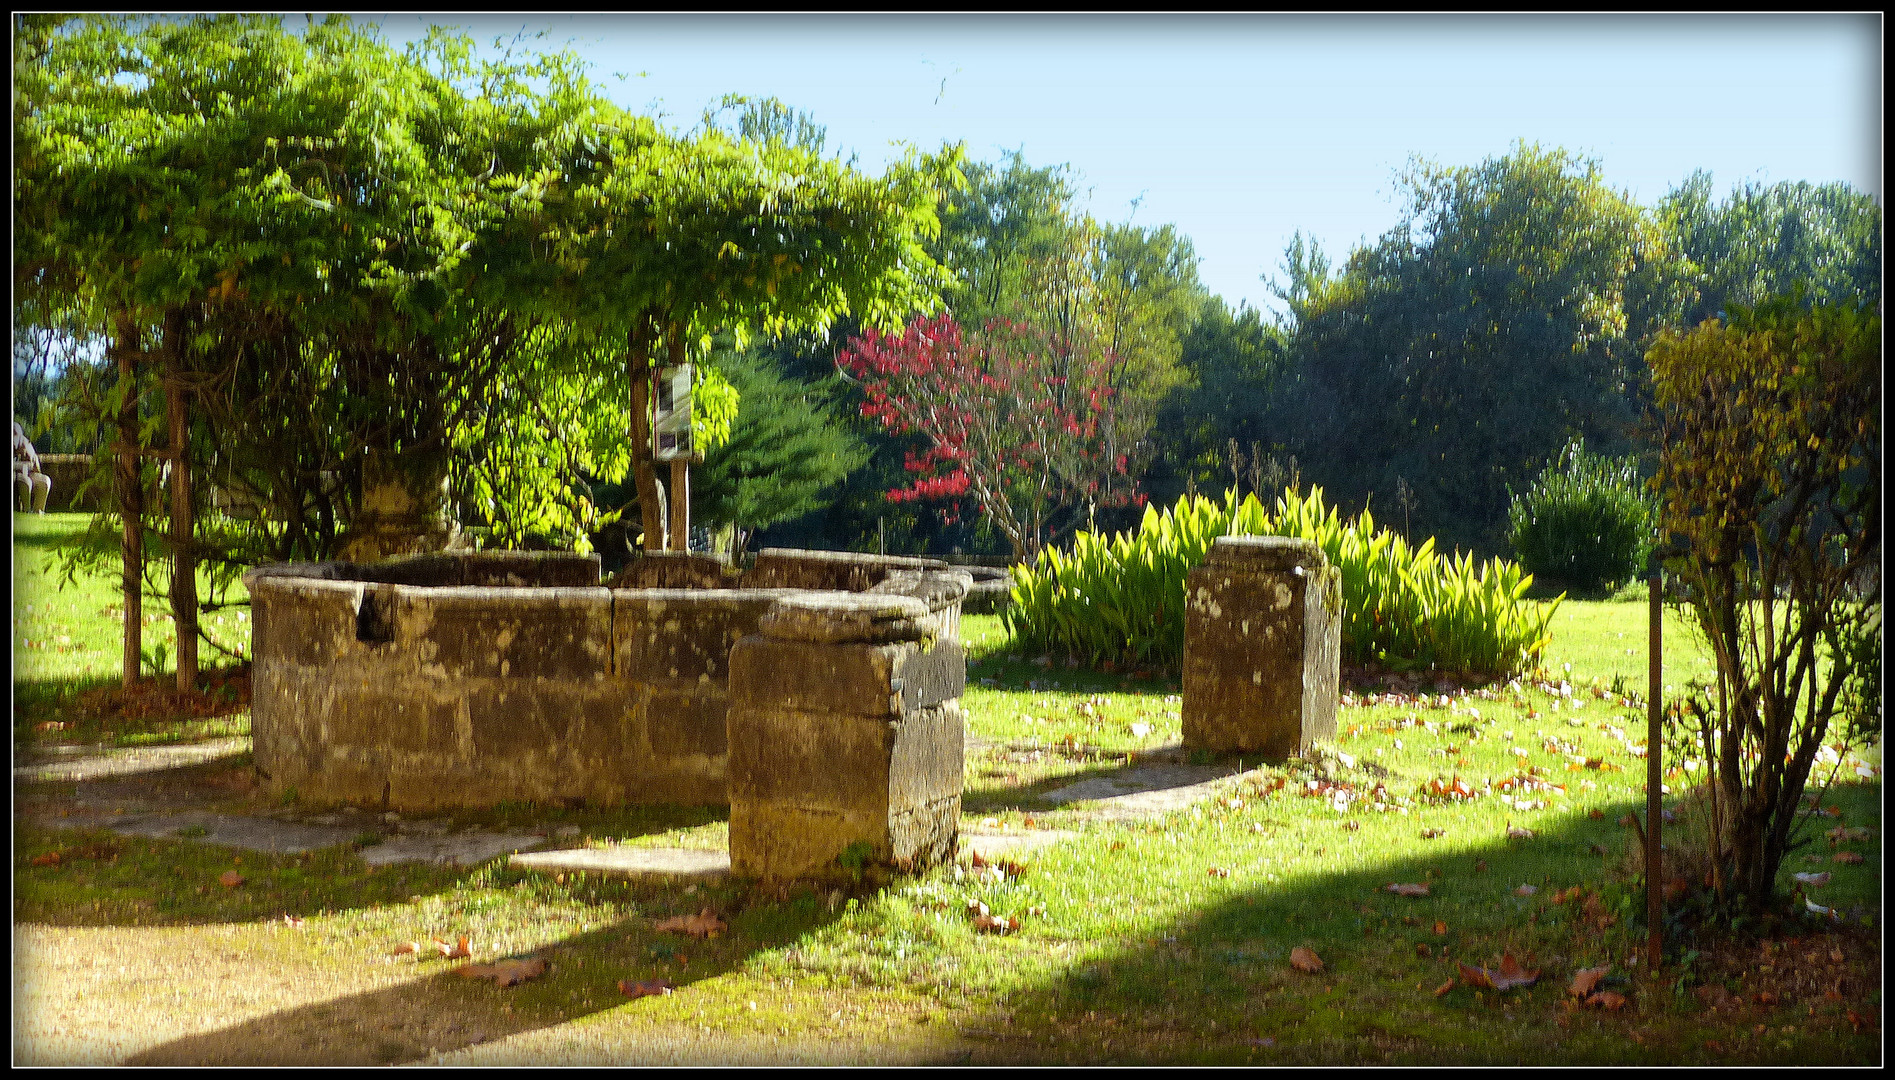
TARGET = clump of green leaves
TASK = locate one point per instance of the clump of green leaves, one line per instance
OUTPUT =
(1402, 607)
(1586, 522)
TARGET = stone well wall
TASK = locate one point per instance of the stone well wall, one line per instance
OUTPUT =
(472, 679)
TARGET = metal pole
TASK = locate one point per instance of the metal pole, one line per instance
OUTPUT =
(1655, 779)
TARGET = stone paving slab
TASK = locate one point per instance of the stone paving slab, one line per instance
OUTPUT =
(460, 849)
(1146, 791)
(96, 762)
(250, 834)
(630, 860)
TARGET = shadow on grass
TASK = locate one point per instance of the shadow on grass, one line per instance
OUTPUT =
(445, 1012)
(1217, 986)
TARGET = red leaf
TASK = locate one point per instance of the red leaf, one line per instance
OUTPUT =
(1409, 890)
(506, 972)
(1586, 980)
(1303, 959)
(230, 879)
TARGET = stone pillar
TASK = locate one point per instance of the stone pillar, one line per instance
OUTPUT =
(1262, 647)
(845, 738)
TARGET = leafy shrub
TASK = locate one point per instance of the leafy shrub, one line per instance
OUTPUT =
(1403, 607)
(1586, 522)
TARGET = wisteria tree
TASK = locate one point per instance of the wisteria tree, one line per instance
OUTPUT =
(1014, 427)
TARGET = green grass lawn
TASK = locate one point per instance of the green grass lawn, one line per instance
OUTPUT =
(1163, 940)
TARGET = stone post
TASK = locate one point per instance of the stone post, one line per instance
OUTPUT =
(1262, 647)
(845, 738)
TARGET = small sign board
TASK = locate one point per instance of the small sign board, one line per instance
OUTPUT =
(671, 414)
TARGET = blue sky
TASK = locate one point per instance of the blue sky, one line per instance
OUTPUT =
(1242, 130)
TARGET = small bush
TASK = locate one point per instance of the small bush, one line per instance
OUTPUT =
(1123, 597)
(1586, 522)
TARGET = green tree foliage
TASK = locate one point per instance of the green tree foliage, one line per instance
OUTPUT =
(1769, 476)
(786, 452)
(1585, 524)
(1773, 240)
(1234, 363)
(1460, 352)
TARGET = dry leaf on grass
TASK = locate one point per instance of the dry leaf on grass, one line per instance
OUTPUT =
(456, 951)
(1505, 977)
(292, 921)
(1218, 871)
(1440, 928)
(704, 924)
(1442, 990)
(646, 987)
(230, 879)
(1515, 832)
(1408, 890)
(1525, 890)
(1607, 1000)
(1585, 980)
(51, 858)
(1303, 959)
(994, 924)
(506, 972)
(1814, 881)
(1846, 857)
(1595, 814)
(1430, 834)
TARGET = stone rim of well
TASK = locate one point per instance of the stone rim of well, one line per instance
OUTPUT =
(846, 617)
(1266, 552)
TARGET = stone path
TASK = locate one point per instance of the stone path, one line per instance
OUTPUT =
(1145, 791)
(631, 860)
(109, 798)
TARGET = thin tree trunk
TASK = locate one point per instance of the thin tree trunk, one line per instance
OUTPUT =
(183, 552)
(131, 501)
(651, 495)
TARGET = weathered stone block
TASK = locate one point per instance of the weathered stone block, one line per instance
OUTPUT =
(494, 633)
(849, 678)
(840, 745)
(684, 718)
(677, 570)
(1263, 647)
(683, 633)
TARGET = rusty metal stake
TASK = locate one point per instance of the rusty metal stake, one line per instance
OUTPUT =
(1655, 779)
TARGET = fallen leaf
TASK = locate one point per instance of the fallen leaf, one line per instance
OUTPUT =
(51, 858)
(1607, 1000)
(1430, 834)
(1596, 814)
(1505, 977)
(1846, 857)
(1855, 1020)
(994, 924)
(456, 951)
(1218, 871)
(1714, 1046)
(1814, 881)
(1409, 890)
(1765, 997)
(976, 908)
(1440, 928)
(292, 921)
(1442, 990)
(1525, 890)
(1515, 832)
(1835, 954)
(506, 972)
(1303, 959)
(230, 879)
(704, 924)
(407, 947)
(646, 988)
(1585, 980)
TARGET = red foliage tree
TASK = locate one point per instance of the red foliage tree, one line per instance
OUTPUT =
(1014, 426)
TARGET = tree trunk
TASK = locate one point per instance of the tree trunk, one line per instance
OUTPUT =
(405, 507)
(651, 495)
(183, 553)
(131, 499)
